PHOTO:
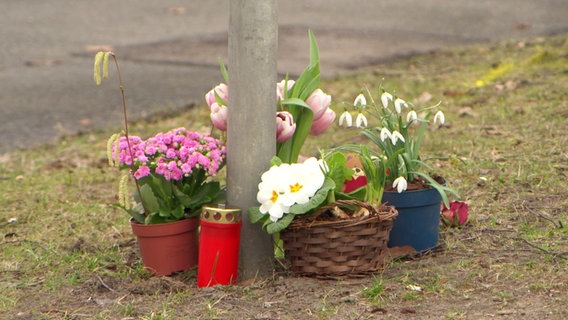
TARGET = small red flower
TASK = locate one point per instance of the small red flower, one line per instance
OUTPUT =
(456, 215)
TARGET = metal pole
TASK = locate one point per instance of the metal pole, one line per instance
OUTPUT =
(251, 138)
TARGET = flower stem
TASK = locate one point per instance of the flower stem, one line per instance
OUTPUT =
(121, 86)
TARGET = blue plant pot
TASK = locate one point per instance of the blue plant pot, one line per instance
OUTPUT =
(418, 220)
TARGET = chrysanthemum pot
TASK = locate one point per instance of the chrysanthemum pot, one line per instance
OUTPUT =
(418, 221)
(169, 247)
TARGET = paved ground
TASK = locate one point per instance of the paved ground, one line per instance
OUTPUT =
(170, 49)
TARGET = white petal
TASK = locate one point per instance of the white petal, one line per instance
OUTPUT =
(346, 117)
(400, 184)
(360, 101)
(361, 121)
(385, 97)
(385, 134)
(439, 116)
(398, 104)
(411, 116)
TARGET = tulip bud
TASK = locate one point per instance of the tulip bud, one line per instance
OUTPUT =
(285, 126)
(222, 91)
(219, 116)
(280, 88)
(455, 215)
(318, 101)
(321, 124)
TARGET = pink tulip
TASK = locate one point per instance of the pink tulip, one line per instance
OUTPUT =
(219, 116)
(285, 126)
(318, 101)
(280, 88)
(321, 124)
(222, 91)
(456, 215)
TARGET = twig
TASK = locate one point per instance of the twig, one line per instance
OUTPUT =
(104, 284)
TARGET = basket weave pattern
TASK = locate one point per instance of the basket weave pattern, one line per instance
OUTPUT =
(346, 247)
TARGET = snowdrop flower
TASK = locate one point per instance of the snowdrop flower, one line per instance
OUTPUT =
(360, 101)
(385, 97)
(411, 116)
(346, 117)
(395, 136)
(361, 121)
(400, 184)
(398, 104)
(439, 116)
(385, 134)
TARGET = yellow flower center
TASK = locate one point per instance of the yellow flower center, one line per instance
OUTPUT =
(296, 187)
(274, 196)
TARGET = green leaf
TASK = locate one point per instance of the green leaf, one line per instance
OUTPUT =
(316, 200)
(255, 215)
(149, 198)
(275, 161)
(224, 71)
(279, 225)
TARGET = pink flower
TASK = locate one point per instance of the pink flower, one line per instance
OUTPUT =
(280, 88)
(321, 124)
(319, 102)
(142, 171)
(222, 91)
(219, 115)
(285, 126)
(456, 215)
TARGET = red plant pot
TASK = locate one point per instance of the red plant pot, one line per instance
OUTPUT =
(170, 247)
(219, 243)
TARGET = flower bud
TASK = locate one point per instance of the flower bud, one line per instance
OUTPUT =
(219, 116)
(455, 215)
(285, 126)
(222, 91)
(280, 88)
(318, 101)
(321, 124)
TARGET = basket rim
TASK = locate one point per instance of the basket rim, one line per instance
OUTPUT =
(381, 212)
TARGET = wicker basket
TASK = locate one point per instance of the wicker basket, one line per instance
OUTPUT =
(346, 247)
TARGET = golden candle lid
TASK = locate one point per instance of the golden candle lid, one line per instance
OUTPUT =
(221, 213)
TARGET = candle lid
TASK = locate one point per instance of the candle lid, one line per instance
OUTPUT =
(221, 213)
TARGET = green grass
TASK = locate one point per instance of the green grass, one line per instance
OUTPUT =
(70, 254)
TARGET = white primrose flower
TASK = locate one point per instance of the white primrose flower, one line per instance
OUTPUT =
(411, 116)
(400, 184)
(398, 104)
(395, 136)
(347, 119)
(305, 180)
(439, 116)
(385, 134)
(361, 121)
(272, 192)
(385, 97)
(360, 101)
(285, 185)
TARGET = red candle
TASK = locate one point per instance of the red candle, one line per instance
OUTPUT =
(219, 242)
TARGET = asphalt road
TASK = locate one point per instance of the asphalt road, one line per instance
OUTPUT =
(169, 50)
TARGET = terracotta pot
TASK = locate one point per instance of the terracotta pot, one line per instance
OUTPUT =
(170, 247)
(418, 220)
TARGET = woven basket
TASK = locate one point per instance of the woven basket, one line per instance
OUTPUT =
(346, 247)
